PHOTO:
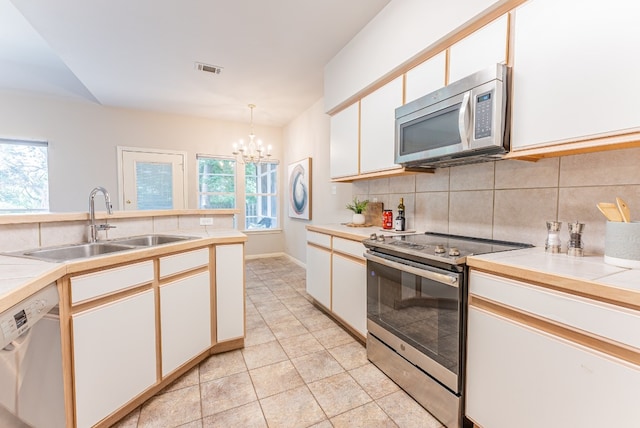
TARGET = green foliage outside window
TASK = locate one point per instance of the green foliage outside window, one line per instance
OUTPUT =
(24, 176)
(216, 183)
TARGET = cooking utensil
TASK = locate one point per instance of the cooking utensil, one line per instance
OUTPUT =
(624, 210)
(610, 211)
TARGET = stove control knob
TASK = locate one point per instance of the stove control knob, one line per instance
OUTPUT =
(439, 249)
(381, 238)
(453, 251)
(373, 237)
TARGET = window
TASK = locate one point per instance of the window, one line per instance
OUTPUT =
(217, 189)
(261, 195)
(216, 182)
(24, 176)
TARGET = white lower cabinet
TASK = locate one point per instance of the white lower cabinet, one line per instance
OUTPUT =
(114, 355)
(185, 320)
(336, 278)
(520, 376)
(543, 358)
(319, 274)
(350, 291)
(229, 292)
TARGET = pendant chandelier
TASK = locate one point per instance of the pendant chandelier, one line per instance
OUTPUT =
(253, 151)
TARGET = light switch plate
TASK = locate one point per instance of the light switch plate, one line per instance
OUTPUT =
(206, 221)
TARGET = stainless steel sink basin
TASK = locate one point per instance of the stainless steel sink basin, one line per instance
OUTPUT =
(83, 251)
(80, 251)
(151, 240)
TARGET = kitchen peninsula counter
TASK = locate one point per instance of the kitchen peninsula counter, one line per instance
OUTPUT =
(20, 277)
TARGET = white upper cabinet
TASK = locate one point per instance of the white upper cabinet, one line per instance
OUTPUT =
(425, 78)
(344, 152)
(482, 49)
(377, 127)
(575, 70)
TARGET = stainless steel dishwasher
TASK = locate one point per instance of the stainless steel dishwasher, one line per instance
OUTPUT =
(31, 388)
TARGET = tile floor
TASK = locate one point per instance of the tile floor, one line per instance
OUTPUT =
(298, 369)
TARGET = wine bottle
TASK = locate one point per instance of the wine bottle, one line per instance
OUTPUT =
(400, 220)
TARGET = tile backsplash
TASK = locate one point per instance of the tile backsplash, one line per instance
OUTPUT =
(23, 236)
(512, 200)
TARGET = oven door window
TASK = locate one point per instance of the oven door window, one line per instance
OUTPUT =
(420, 311)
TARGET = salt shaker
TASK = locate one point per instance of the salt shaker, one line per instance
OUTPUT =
(553, 243)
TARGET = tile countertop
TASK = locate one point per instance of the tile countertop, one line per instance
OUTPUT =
(21, 277)
(353, 233)
(587, 276)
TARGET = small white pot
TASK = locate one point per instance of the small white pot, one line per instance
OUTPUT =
(358, 219)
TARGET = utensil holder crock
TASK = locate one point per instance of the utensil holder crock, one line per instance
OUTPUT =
(622, 244)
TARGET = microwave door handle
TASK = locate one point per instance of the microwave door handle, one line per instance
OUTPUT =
(463, 121)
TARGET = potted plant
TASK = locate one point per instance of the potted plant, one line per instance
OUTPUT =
(357, 207)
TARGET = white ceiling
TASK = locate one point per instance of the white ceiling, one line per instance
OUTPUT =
(140, 54)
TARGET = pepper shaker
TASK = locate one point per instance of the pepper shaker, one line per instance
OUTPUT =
(576, 246)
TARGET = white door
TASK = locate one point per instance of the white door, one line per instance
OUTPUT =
(152, 180)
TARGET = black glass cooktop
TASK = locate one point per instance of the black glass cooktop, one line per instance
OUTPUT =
(453, 249)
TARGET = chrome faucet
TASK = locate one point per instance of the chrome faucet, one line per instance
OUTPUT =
(94, 228)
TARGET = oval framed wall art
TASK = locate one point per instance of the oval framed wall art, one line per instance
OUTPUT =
(299, 189)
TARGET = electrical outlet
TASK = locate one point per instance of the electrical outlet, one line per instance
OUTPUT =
(206, 221)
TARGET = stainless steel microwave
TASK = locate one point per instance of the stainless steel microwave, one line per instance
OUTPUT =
(467, 121)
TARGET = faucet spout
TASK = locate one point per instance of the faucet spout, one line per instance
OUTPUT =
(93, 233)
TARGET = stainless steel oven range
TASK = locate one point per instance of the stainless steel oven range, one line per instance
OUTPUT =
(416, 314)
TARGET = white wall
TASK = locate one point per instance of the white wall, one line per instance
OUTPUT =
(83, 137)
(308, 136)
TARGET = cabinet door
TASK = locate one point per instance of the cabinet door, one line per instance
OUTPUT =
(185, 320)
(319, 275)
(230, 291)
(514, 371)
(377, 127)
(575, 71)
(345, 143)
(483, 49)
(350, 292)
(425, 78)
(114, 355)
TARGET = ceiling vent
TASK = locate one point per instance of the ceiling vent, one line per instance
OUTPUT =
(208, 68)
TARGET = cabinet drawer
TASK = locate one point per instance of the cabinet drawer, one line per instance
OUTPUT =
(319, 239)
(602, 319)
(349, 247)
(178, 263)
(92, 285)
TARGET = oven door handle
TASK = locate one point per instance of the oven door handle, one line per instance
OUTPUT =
(450, 280)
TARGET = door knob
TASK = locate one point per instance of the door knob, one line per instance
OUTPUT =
(128, 201)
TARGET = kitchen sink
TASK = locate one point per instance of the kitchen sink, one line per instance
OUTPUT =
(151, 240)
(83, 251)
(71, 252)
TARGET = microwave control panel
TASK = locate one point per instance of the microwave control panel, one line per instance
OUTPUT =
(483, 116)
